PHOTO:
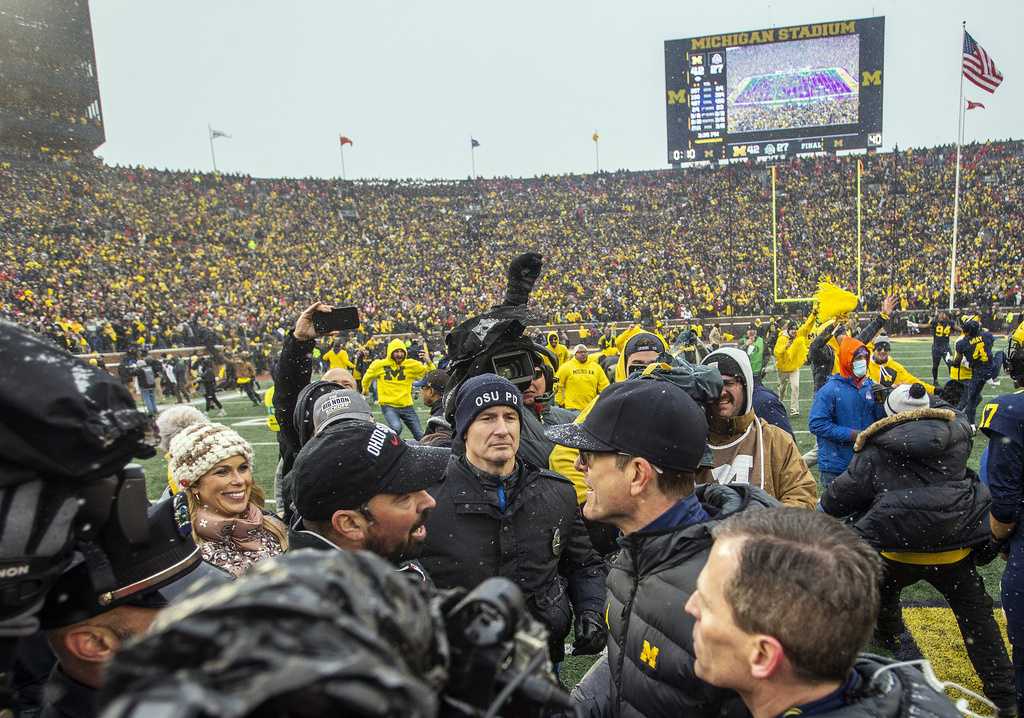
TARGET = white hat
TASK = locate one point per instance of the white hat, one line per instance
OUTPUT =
(199, 447)
(906, 397)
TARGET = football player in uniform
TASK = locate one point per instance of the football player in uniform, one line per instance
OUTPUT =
(976, 347)
(941, 327)
(1002, 421)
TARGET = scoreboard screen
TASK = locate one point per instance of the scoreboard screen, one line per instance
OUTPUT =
(776, 92)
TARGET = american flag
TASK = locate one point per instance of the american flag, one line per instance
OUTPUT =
(978, 66)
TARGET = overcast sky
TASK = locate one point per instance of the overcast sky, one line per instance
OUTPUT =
(409, 80)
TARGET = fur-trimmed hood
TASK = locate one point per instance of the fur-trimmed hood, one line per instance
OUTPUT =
(899, 441)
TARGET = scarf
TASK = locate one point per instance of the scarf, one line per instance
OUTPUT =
(242, 532)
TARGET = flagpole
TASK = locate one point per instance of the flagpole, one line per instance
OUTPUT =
(341, 151)
(597, 153)
(956, 192)
(213, 155)
(472, 158)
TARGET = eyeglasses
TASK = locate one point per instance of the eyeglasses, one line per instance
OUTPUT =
(731, 381)
(586, 460)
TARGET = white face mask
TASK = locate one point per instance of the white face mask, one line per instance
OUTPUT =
(860, 368)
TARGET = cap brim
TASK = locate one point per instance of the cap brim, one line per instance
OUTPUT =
(576, 437)
(419, 468)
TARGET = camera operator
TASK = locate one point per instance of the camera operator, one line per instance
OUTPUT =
(86, 628)
(65, 485)
(438, 431)
(498, 515)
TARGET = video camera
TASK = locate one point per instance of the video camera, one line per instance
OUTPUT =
(499, 656)
(68, 432)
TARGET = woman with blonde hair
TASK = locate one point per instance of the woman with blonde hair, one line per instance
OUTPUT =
(220, 501)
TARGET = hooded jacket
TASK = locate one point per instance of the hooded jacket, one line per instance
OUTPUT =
(620, 365)
(559, 349)
(908, 485)
(394, 379)
(824, 350)
(841, 408)
(748, 450)
(790, 354)
(562, 459)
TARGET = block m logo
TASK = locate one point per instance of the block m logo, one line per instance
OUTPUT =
(391, 375)
(649, 655)
(871, 78)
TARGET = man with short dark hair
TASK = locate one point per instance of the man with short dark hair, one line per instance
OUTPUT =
(87, 626)
(438, 431)
(641, 479)
(580, 380)
(747, 449)
(783, 606)
(358, 486)
(498, 515)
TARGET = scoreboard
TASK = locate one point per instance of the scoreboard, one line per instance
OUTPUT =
(776, 92)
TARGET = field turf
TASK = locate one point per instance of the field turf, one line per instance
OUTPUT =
(933, 631)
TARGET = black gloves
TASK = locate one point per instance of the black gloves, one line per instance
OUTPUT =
(591, 635)
(523, 273)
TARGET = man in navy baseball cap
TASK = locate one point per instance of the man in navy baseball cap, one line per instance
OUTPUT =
(640, 447)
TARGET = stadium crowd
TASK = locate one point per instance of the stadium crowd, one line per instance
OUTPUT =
(107, 258)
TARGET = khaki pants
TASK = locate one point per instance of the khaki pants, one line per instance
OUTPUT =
(789, 385)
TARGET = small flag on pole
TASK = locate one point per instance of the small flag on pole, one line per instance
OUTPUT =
(979, 67)
(473, 143)
(214, 134)
(972, 105)
(595, 136)
(344, 140)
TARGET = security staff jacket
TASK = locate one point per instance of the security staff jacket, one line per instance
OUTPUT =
(525, 527)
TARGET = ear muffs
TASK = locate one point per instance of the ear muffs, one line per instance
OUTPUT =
(302, 417)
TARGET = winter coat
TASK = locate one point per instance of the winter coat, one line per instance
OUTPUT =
(538, 542)
(840, 408)
(824, 350)
(908, 486)
(749, 450)
(790, 354)
(650, 636)
(785, 475)
(895, 693)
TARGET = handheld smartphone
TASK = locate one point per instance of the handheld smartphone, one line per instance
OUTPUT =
(339, 319)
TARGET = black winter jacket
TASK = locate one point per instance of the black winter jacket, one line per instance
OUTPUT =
(650, 637)
(896, 693)
(301, 538)
(908, 487)
(294, 370)
(539, 542)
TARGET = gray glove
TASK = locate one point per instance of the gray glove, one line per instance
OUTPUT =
(34, 549)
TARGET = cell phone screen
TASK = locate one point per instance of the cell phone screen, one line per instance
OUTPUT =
(339, 319)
